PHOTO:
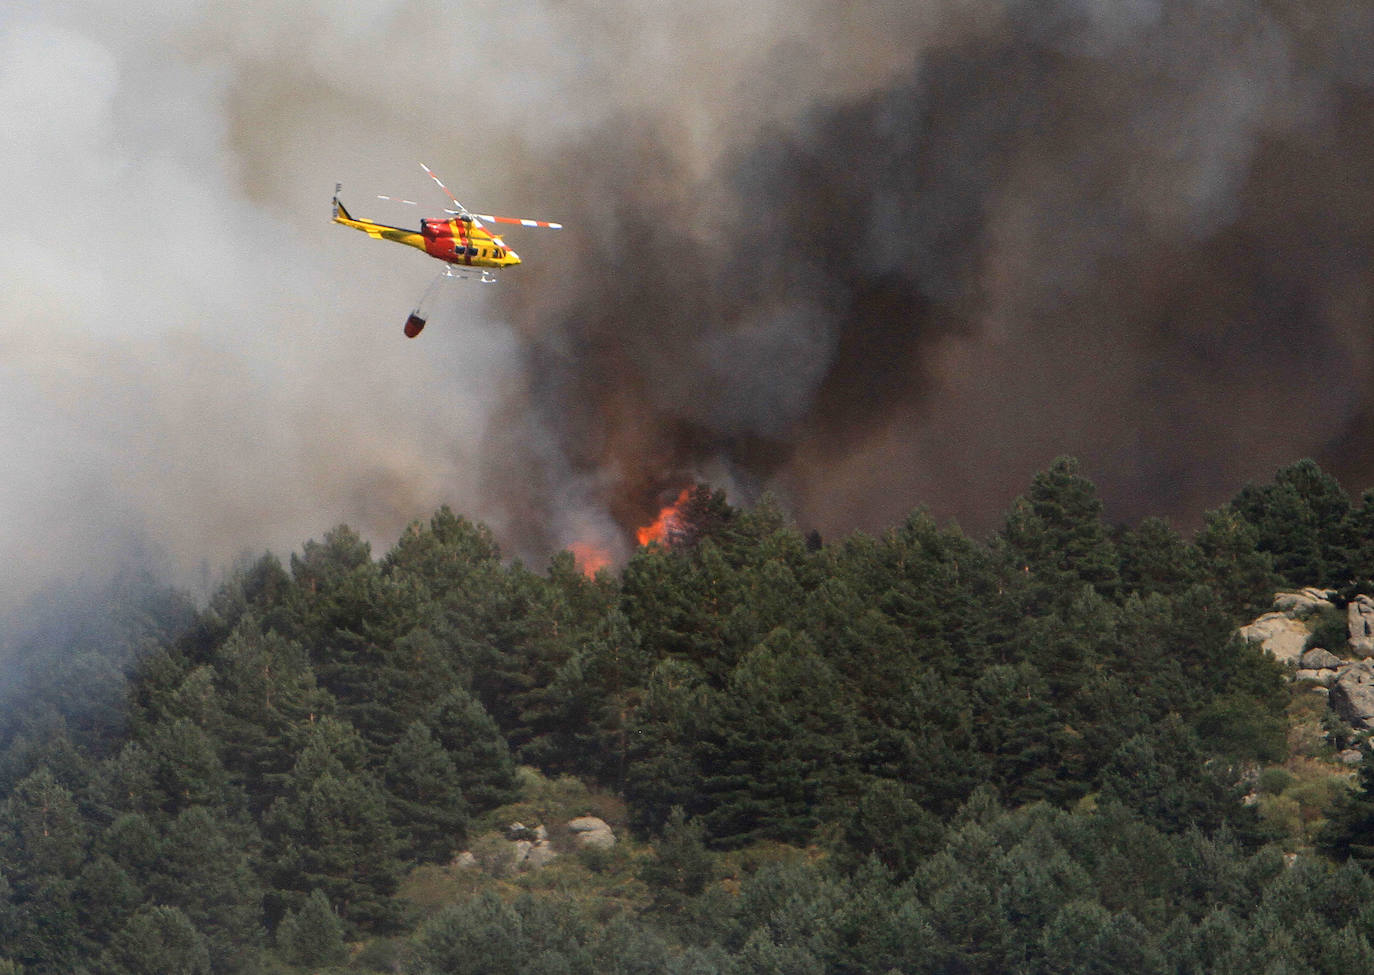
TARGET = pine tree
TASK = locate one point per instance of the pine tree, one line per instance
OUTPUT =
(42, 831)
(481, 936)
(185, 766)
(427, 803)
(1156, 559)
(158, 940)
(105, 896)
(268, 698)
(204, 869)
(314, 935)
(887, 823)
(1362, 541)
(1239, 573)
(590, 702)
(480, 755)
(1068, 941)
(680, 867)
(1349, 830)
(330, 830)
(1055, 534)
(1303, 520)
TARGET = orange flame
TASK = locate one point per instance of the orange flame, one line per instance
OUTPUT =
(590, 558)
(668, 522)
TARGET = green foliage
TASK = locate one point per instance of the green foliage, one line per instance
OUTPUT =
(1330, 630)
(484, 769)
(1017, 756)
(1349, 831)
(426, 798)
(485, 936)
(313, 935)
(680, 867)
(157, 941)
(330, 830)
(1304, 520)
(1238, 572)
(1055, 534)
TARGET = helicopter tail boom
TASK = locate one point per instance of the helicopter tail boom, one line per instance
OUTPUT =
(378, 231)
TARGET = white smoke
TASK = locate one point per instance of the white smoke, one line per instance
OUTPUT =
(195, 363)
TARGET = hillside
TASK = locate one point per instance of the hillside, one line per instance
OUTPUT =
(913, 752)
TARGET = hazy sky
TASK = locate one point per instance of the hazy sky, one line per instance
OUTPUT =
(869, 256)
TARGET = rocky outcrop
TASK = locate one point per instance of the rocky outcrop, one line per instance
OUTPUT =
(1360, 619)
(1284, 632)
(1304, 602)
(1319, 666)
(527, 847)
(1319, 659)
(1352, 694)
(1280, 634)
(591, 831)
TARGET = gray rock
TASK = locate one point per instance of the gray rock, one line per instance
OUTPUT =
(592, 831)
(1305, 602)
(1323, 677)
(519, 831)
(1351, 756)
(540, 854)
(1279, 634)
(1352, 696)
(1360, 620)
(1319, 659)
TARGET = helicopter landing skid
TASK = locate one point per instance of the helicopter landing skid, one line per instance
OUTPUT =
(464, 274)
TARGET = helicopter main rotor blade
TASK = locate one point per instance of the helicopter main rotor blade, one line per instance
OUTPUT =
(461, 209)
(519, 221)
(522, 221)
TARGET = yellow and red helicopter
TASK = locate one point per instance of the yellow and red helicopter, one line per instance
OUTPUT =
(460, 240)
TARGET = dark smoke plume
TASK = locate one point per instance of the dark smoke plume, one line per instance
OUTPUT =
(1138, 233)
(866, 255)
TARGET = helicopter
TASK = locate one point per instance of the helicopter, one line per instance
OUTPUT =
(460, 240)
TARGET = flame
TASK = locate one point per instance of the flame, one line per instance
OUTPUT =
(668, 522)
(590, 558)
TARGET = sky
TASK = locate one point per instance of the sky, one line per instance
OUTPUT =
(865, 256)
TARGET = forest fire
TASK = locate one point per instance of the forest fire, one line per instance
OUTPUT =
(667, 524)
(667, 528)
(590, 558)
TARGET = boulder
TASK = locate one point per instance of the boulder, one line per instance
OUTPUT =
(531, 845)
(1350, 756)
(1304, 602)
(1360, 620)
(592, 831)
(1319, 659)
(1352, 695)
(530, 855)
(539, 854)
(1279, 634)
(1323, 677)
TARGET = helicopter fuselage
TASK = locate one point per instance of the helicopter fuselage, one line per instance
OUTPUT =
(454, 240)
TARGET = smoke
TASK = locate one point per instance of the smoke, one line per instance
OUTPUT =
(1138, 233)
(865, 256)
